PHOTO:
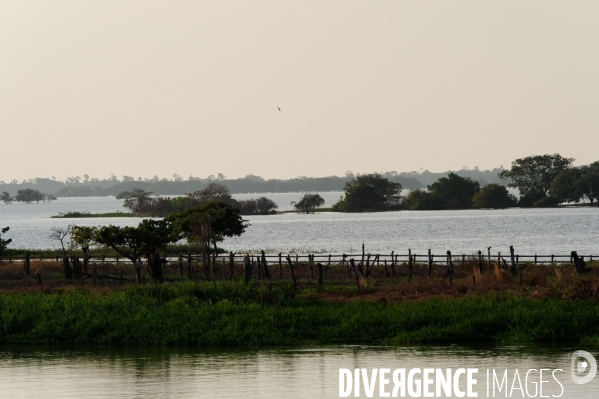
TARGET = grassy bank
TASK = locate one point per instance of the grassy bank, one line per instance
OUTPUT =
(225, 313)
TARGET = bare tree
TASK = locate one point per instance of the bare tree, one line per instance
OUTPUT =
(61, 234)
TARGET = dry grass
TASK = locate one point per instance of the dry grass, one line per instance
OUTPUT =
(533, 281)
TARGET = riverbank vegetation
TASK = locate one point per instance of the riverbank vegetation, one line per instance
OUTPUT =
(543, 304)
(77, 215)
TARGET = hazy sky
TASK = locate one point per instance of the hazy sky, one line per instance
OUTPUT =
(149, 88)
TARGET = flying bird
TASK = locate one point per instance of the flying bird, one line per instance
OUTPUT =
(278, 108)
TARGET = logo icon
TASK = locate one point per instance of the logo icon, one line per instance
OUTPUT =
(583, 361)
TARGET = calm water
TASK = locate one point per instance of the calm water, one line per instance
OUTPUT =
(541, 231)
(181, 372)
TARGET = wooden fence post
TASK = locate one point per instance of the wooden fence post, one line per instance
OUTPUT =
(356, 274)
(265, 266)
(344, 262)
(320, 276)
(259, 268)
(232, 264)
(480, 262)
(189, 269)
(450, 268)
(409, 264)
(430, 263)
(392, 264)
(280, 266)
(291, 269)
(361, 265)
(247, 268)
(512, 260)
(311, 262)
(386, 270)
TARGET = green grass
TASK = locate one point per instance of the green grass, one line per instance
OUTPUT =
(236, 314)
(73, 215)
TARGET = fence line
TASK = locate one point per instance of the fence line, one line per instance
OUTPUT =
(337, 258)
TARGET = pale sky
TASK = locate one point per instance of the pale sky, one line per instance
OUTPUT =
(149, 88)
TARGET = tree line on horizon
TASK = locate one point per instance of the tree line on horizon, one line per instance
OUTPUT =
(77, 186)
(541, 180)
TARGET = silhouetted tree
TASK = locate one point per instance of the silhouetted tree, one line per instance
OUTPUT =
(148, 239)
(369, 193)
(493, 196)
(28, 196)
(136, 200)
(6, 197)
(456, 191)
(534, 175)
(308, 203)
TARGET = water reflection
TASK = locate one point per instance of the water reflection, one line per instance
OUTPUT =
(112, 371)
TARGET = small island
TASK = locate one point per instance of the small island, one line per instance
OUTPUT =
(75, 215)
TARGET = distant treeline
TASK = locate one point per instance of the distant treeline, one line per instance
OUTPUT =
(77, 186)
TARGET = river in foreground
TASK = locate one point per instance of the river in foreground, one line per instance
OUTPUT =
(189, 372)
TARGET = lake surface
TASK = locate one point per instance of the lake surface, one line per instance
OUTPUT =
(186, 372)
(531, 231)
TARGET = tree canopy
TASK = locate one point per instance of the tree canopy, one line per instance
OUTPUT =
(534, 175)
(369, 193)
(308, 203)
(456, 191)
(148, 239)
(493, 196)
(210, 222)
(28, 196)
(448, 192)
(5, 197)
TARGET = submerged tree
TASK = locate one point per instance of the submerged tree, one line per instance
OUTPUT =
(135, 200)
(494, 196)
(533, 175)
(28, 196)
(258, 206)
(5, 197)
(457, 191)
(308, 203)
(369, 193)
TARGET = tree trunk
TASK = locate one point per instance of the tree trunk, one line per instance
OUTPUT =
(265, 266)
(68, 273)
(155, 263)
(85, 259)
